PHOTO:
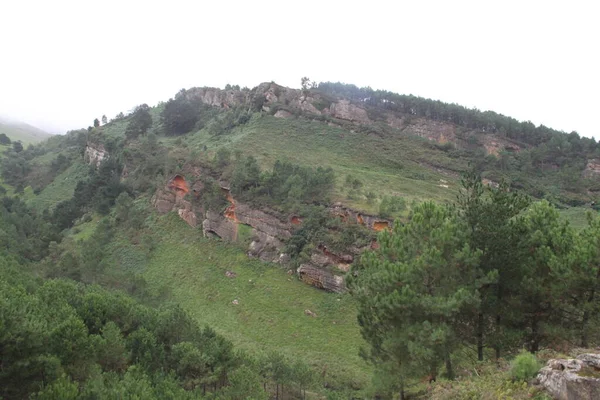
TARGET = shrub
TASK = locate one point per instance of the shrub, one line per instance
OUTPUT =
(524, 367)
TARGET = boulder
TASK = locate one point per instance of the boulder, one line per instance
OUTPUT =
(266, 247)
(321, 278)
(188, 216)
(163, 201)
(572, 379)
(283, 114)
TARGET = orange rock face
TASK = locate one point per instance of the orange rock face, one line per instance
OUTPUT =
(179, 185)
(381, 225)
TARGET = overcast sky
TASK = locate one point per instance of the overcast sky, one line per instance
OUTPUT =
(64, 63)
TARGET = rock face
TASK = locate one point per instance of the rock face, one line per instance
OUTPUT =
(171, 198)
(592, 169)
(370, 221)
(321, 278)
(572, 379)
(267, 230)
(350, 112)
(268, 233)
(95, 153)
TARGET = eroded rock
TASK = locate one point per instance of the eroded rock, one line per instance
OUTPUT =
(321, 278)
(343, 109)
(95, 153)
(572, 379)
(592, 169)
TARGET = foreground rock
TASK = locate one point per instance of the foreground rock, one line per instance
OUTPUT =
(572, 379)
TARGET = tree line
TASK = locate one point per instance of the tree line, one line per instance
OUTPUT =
(493, 272)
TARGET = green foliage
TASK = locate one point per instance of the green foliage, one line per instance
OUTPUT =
(245, 383)
(5, 140)
(412, 291)
(524, 367)
(139, 122)
(390, 205)
(286, 184)
(228, 120)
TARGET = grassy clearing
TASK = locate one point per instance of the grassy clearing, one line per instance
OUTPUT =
(577, 216)
(270, 313)
(61, 188)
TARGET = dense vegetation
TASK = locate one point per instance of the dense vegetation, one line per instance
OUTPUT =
(492, 272)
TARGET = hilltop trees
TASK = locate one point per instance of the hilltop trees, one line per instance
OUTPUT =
(179, 115)
(139, 122)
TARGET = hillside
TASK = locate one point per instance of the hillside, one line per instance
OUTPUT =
(248, 207)
(20, 131)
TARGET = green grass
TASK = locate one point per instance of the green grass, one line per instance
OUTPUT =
(61, 188)
(270, 314)
(577, 216)
(394, 165)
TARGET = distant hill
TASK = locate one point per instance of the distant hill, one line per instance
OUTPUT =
(17, 130)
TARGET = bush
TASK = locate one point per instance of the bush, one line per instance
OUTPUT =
(525, 366)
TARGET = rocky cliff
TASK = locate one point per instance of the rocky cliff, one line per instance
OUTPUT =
(95, 153)
(284, 102)
(269, 230)
(570, 379)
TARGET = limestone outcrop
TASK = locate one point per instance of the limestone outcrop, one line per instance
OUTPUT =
(572, 379)
(95, 153)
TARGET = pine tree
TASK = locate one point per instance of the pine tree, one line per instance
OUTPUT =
(412, 290)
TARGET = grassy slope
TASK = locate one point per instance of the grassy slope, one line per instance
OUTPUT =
(388, 165)
(270, 313)
(61, 188)
(25, 133)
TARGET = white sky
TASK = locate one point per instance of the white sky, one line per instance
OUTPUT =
(64, 63)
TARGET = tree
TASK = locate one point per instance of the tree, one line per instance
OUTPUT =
(546, 241)
(5, 140)
(583, 271)
(96, 123)
(17, 147)
(139, 122)
(179, 115)
(489, 215)
(412, 290)
(244, 383)
(104, 120)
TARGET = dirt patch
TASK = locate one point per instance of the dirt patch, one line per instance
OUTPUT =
(296, 220)
(380, 225)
